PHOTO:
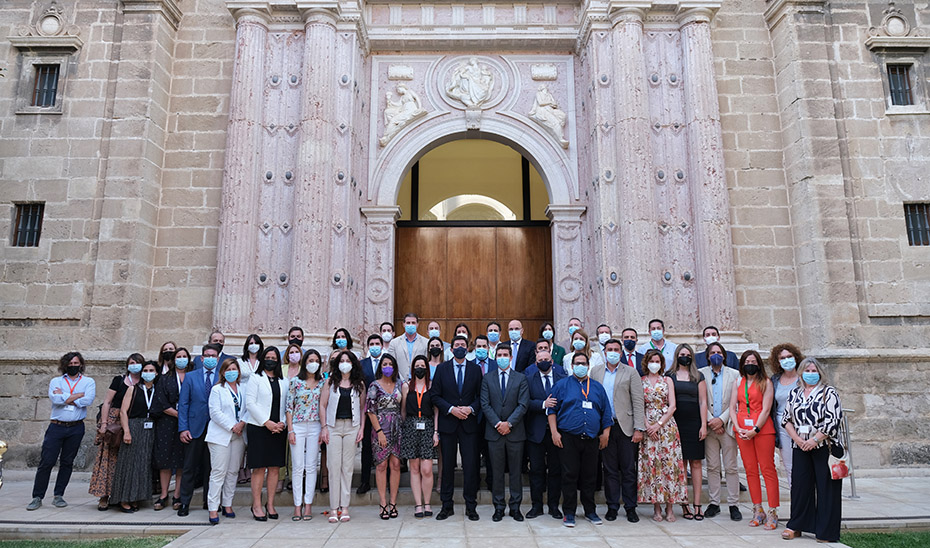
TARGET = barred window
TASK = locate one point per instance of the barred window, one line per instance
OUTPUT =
(917, 217)
(46, 86)
(27, 225)
(899, 83)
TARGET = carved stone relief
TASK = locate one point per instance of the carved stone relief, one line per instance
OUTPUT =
(400, 113)
(471, 84)
(546, 112)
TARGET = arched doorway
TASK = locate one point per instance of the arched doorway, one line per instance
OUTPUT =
(473, 241)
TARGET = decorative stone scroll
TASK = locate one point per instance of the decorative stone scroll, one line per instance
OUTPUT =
(400, 113)
(546, 112)
(544, 72)
(379, 263)
(400, 72)
(566, 258)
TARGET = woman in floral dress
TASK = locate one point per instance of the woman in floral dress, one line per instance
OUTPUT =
(384, 397)
(662, 477)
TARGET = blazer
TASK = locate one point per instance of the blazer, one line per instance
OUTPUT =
(509, 408)
(536, 422)
(526, 354)
(223, 415)
(700, 360)
(197, 362)
(398, 349)
(445, 395)
(368, 369)
(258, 400)
(629, 407)
(193, 407)
(729, 377)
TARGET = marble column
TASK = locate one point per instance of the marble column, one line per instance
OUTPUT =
(235, 261)
(312, 273)
(379, 264)
(636, 210)
(567, 262)
(709, 194)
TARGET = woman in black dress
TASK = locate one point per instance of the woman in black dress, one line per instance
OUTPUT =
(266, 403)
(690, 413)
(419, 438)
(168, 454)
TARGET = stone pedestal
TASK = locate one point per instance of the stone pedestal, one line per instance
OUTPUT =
(567, 262)
(379, 264)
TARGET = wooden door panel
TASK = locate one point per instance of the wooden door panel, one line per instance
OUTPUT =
(471, 284)
(523, 273)
(419, 279)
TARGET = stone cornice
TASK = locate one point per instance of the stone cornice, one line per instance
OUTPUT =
(166, 8)
(345, 15)
(608, 13)
(777, 9)
(381, 214)
(47, 43)
(915, 45)
(565, 213)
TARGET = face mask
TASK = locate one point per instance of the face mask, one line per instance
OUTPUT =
(374, 351)
(181, 363)
(548, 334)
(419, 372)
(788, 363)
(293, 357)
(810, 378)
(459, 352)
(386, 337)
(514, 334)
(342, 343)
(434, 333)
(657, 335)
(345, 367)
(580, 370)
(463, 335)
(410, 329)
(603, 338)
(135, 368)
(387, 370)
(751, 369)
(494, 336)
(295, 340)
(716, 359)
(73, 370)
(435, 351)
(503, 362)
(148, 376)
(654, 367)
(613, 358)
(219, 347)
(578, 344)
(167, 355)
(210, 363)
(544, 365)
(254, 348)
(629, 344)
(685, 361)
(572, 329)
(481, 353)
(269, 365)
(710, 340)
(231, 375)
(313, 367)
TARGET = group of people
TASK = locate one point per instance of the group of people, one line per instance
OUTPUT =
(636, 418)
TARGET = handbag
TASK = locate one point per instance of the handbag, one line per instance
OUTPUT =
(113, 436)
(837, 462)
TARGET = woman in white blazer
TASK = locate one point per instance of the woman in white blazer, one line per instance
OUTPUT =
(266, 403)
(224, 439)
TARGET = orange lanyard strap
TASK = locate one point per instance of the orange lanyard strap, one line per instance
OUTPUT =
(420, 401)
(71, 388)
(587, 390)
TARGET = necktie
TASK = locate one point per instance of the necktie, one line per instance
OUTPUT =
(503, 384)
(630, 360)
(209, 383)
(548, 384)
(516, 345)
(458, 377)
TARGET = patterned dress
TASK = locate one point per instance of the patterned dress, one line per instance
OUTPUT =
(386, 406)
(101, 479)
(662, 476)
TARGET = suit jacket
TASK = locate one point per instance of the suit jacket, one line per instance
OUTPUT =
(223, 415)
(629, 407)
(368, 369)
(700, 360)
(193, 407)
(510, 407)
(258, 400)
(729, 377)
(398, 349)
(525, 356)
(445, 395)
(536, 422)
(198, 361)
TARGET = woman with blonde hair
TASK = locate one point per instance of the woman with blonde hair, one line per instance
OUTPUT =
(580, 342)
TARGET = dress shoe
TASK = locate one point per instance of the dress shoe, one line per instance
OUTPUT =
(534, 513)
(472, 514)
(444, 513)
(735, 514)
(363, 488)
(611, 514)
(184, 510)
(556, 513)
(712, 510)
(516, 514)
(498, 515)
(632, 516)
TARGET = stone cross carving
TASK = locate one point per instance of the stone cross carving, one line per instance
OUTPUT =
(546, 112)
(471, 84)
(398, 114)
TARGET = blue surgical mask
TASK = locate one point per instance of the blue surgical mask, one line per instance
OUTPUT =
(494, 336)
(410, 329)
(613, 358)
(548, 334)
(433, 333)
(181, 363)
(572, 329)
(375, 351)
(342, 343)
(135, 368)
(481, 353)
(149, 376)
(231, 375)
(580, 370)
(514, 334)
(578, 344)
(629, 344)
(788, 363)
(811, 378)
(716, 359)
(503, 362)
(210, 363)
(657, 334)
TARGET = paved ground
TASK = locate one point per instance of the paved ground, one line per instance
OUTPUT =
(888, 498)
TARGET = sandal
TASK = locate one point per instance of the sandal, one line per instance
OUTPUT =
(384, 513)
(686, 512)
(418, 515)
(103, 504)
(333, 518)
(160, 504)
(788, 534)
(758, 517)
(393, 512)
(698, 514)
(175, 503)
(427, 510)
(344, 518)
(771, 521)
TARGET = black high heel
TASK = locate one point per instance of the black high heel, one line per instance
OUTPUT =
(270, 515)
(393, 513)
(384, 513)
(257, 518)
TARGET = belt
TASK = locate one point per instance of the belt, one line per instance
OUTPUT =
(66, 423)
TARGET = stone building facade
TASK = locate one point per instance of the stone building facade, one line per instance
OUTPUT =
(236, 164)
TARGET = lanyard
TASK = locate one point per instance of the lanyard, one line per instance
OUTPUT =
(177, 377)
(76, 383)
(746, 391)
(420, 401)
(654, 347)
(235, 401)
(587, 390)
(148, 399)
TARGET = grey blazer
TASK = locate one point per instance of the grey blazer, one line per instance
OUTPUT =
(511, 408)
(629, 407)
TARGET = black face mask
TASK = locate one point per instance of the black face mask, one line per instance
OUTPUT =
(269, 365)
(73, 370)
(751, 369)
(167, 355)
(298, 342)
(459, 352)
(219, 346)
(544, 365)
(629, 344)
(435, 351)
(419, 372)
(684, 361)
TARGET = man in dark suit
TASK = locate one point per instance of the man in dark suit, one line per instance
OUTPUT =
(486, 362)
(545, 467)
(523, 351)
(456, 392)
(369, 367)
(629, 356)
(504, 399)
(193, 416)
(711, 335)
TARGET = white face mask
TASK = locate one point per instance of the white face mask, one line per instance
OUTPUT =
(386, 337)
(603, 337)
(253, 348)
(710, 340)
(313, 367)
(345, 367)
(654, 367)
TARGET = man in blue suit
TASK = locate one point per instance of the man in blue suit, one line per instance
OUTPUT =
(456, 392)
(369, 368)
(711, 335)
(630, 357)
(217, 339)
(193, 416)
(545, 467)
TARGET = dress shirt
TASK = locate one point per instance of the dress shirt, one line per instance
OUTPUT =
(668, 352)
(630, 359)
(410, 346)
(571, 415)
(609, 378)
(717, 387)
(77, 410)
(483, 365)
(459, 369)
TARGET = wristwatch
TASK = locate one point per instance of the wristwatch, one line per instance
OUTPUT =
(756, 428)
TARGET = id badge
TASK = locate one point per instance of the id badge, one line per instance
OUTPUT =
(69, 408)
(804, 431)
(587, 405)
(148, 425)
(421, 425)
(749, 423)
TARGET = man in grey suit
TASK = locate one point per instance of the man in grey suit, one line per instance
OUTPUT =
(505, 395)
(625, 393)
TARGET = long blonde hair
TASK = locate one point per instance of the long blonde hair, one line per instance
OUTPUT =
(693, 373)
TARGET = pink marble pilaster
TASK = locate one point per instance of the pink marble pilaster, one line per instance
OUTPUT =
(709, 195)
(567, 262)
(379, 265)
(235, 264)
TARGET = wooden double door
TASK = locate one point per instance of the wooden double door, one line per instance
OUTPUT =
(474, 275)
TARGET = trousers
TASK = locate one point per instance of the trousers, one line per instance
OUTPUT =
(759, 454)
(60, 445)
(305, 457)
(225, 461)
(340, 457)
(714, 446)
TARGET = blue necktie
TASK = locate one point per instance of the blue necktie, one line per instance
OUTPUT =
(548, 384)
(458, 377)
(209, 383)
(503, 384)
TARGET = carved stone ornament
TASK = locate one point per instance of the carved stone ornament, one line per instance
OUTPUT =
(896, 34)
(400, 72)
(471, 84)
(546, 113)
(544, 72)
(399, 113)
(48, 32)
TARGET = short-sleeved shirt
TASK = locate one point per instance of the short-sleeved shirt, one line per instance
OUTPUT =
(582, 407)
